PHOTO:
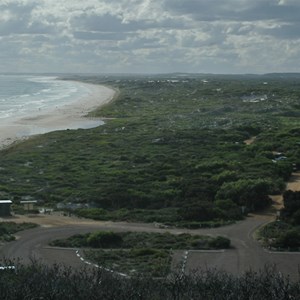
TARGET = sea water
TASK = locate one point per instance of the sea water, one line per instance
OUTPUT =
(22, 95)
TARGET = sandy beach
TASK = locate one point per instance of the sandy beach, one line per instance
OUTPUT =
(70, 116)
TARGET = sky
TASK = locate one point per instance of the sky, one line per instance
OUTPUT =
(150, 36)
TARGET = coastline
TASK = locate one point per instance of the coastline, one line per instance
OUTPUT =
(70, 116)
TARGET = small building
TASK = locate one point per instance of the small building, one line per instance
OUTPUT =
(28, 205)
(5, 206)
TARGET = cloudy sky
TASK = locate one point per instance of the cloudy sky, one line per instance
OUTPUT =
(150, 36)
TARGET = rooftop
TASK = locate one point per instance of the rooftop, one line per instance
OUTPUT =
(5, 202)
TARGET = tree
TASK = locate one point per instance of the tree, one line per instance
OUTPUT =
(197, 212)
(252, 193)
(291, 202)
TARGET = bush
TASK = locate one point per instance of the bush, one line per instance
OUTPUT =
(198, 212)
(291, 201)
(247, 192)
(225, 204)
(219, 242)
(3, 230)
(289, 239)
(296, 218)
(92, 213)
(274, 229)
(8, 238)
(104, 239)
(36, 281)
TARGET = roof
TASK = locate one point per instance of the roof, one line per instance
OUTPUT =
(5, 202)
(28, 201)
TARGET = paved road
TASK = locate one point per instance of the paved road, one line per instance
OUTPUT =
(245, 254)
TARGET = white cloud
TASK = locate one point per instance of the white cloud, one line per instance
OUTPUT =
(143, 35)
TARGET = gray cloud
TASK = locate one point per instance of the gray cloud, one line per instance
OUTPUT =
(18, 21)
(86, 35)
(104, 23)
(286, 32)
(235, 10)
(150, 36)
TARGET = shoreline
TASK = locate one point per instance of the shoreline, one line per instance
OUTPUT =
(73, 115)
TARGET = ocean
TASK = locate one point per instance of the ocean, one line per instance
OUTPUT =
(22, 95)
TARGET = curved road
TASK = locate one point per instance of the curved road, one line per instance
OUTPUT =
(245, 254)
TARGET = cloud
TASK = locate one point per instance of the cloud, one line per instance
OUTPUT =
(105, 23)
(284, 31)
(16, 19)
(87, 35)
(235, 10)
(154, 36)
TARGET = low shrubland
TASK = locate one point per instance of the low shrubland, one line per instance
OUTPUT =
(172, 149)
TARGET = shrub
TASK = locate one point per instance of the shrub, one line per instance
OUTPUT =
(198, 212)
(274, 229)
(36, 281)
(219, 242)
(250, 193)
(225, 204)
(92, 213)
(145, 252)
(3, 230)
(289, 239)
(104, 239)
(291, 201)
(296, 217)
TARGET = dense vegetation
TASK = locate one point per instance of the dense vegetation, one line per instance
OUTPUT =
(43, 282)
(138, 252)
(172, 147)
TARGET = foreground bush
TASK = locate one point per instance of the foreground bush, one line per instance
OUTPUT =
(38, 281)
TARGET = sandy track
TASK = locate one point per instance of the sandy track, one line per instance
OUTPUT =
(294, 182)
